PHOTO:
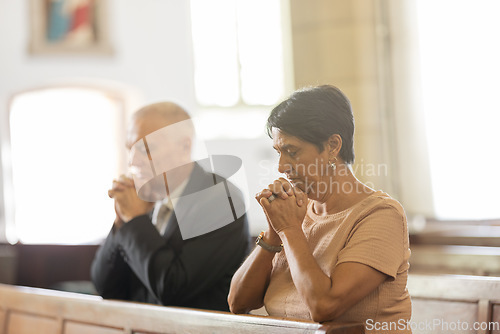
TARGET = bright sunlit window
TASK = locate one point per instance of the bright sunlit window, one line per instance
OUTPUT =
(238, 52)
(460, 54)
(66, 147)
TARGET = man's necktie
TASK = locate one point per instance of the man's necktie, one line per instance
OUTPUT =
(162, 218)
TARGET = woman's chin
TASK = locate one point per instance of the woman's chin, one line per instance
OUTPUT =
(299, 184)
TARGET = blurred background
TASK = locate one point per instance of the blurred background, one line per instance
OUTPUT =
(422, 77)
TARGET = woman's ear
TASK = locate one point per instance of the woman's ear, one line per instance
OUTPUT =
(334, 145)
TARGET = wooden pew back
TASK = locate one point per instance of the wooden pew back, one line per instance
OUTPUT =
(29, 310)
(455, 304)
(455, 260)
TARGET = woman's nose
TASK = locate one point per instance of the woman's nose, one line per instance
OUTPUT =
(283, 166)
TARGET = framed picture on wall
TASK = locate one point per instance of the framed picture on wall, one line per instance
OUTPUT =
(69, 27)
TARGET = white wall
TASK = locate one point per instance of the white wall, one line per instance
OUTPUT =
(152, 47)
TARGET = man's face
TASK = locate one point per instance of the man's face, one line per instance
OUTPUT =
(153, 155)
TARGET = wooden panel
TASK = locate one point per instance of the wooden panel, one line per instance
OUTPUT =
(463, 260)
(495, 319)
(451, 300)
(449, 287)
(438, 316)
(45, 265)
(480, 233)
(8, 263)
(80, 328)
(19, 323)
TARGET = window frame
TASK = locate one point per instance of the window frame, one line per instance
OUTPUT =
(288, 70)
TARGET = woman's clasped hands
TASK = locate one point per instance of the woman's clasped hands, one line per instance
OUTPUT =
(288, 209)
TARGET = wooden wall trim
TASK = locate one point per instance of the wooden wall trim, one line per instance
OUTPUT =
(454, 287)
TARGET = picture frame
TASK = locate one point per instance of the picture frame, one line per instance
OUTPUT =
(69, 27)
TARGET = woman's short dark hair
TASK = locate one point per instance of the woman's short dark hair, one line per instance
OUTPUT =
(313, 114)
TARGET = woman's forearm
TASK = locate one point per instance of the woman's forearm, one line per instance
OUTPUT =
(311, 282)
(249, 283)
(327, 297)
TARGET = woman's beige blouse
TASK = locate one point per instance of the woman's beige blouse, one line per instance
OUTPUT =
(372, 232)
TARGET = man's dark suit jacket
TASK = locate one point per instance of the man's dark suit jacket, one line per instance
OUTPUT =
(136, 263)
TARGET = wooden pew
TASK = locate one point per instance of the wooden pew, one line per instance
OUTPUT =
(470, 233)
(453, 302)
(456, 260)
(31, 310)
